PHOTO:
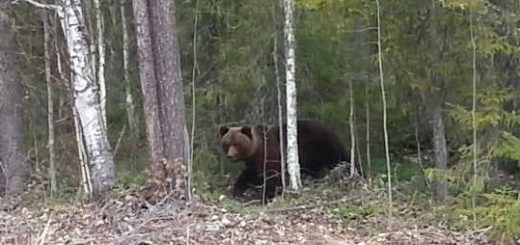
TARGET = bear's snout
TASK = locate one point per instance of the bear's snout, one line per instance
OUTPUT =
(233, 154)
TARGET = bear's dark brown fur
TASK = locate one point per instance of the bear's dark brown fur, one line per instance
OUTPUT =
(319, 149)
(246, 144)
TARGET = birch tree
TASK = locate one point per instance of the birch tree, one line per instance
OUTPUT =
(352, 129)
(160, 75)
(101, 60)
(293, 165)
(13, 167)
(98, 153)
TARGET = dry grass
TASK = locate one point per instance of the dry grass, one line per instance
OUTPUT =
(132, 219)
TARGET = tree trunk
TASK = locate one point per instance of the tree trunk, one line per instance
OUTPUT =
(149, 89)
(90, 31)
(12, 149)
(168, 68)
(383, 98)
(293, 165)
(86, 100)
(159, 61)
(101, 61)
(436, 103)
(367, 125)
(133, 122)
(352, 130)
(50, 102)
(85, 178)
(280, 112)
(474, 107)
(439, 146)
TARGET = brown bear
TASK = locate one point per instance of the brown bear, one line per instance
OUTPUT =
(247, 144)
(319, 149)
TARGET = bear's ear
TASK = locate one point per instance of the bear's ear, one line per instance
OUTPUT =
(261, 129)
(223, 130)
(247, 131)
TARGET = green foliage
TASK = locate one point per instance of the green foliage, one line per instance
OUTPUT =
(350, 212)
(490, 113)
(133, 172)
(426, 48)
(401, 171)
(501, 213)
(509, 147)
(477, 6)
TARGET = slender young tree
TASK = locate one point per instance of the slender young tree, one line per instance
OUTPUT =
(360, 40)
(293, 165)
(367, 111)
(50, 102)
(193, 97)
(280, 112)
(352, 130)
(416, 131)
(133, 122)
(13, 166)
(383, 96)
(474, 104)
(97, 150)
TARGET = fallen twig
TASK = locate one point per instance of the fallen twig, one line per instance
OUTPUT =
(251, 202)
(304, 207)
(119, 140)
(43, 235)
(125, 236)
(480, 232)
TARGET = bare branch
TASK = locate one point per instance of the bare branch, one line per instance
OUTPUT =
(41, 5)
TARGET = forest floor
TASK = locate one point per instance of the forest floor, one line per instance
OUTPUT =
(130, 219)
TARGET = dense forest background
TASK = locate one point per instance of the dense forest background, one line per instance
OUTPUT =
(441, 59)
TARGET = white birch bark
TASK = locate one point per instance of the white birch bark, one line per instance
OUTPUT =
(85, 178)
(86, 99)
(293, 165)
(101, 61)
(352, 130)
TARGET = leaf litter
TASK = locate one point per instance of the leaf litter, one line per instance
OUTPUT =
(132, 219)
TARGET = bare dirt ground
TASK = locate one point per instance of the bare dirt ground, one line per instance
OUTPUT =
(129, 219)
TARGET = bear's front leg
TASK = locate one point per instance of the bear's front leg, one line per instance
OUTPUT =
(247, 178)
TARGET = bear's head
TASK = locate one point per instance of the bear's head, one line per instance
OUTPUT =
(241, 143)
(237, 142)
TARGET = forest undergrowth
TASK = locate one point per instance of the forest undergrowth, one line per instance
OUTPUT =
(336, 210)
